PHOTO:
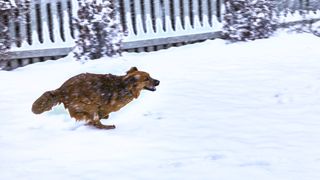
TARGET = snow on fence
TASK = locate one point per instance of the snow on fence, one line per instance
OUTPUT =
(46, 32)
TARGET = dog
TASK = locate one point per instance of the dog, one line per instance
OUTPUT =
(92, 97)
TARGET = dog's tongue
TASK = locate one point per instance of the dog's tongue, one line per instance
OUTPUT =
(150, 88)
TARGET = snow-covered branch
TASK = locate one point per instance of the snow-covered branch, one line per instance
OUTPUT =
(100, 31)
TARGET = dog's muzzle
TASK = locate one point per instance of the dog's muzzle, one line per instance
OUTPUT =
(156, 82)
(153, 88)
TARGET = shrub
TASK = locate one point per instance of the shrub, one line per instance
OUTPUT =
(100, 31)
(248, 19)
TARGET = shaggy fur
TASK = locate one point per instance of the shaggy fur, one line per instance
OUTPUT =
(92, 97)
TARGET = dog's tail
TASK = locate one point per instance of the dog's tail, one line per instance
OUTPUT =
(46, 101)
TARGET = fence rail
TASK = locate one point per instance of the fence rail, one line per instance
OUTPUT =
(48, 32)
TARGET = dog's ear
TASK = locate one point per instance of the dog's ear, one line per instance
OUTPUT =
(130, 79)
(133, 69)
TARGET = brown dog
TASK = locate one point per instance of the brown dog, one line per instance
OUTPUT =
(91, 97)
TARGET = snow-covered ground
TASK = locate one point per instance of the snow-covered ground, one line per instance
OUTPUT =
(222, 111)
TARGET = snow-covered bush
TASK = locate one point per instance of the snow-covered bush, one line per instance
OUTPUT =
(100, 31)
(315, 28)
(6, 11)
(248, 19)
(10, 10)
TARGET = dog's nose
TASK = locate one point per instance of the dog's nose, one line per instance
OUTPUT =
(156, 82)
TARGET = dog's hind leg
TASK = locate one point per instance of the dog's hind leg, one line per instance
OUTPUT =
(99, 125)
(105, 117)
(96, 123)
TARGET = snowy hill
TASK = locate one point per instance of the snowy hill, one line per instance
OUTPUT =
(222, 111)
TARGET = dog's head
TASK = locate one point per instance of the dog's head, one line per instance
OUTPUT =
(141, 80)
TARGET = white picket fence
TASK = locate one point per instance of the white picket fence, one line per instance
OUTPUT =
(156, 22)
(48, 33)
(43, 32)
(148, 23)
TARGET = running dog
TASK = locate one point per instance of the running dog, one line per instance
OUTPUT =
(92, 97)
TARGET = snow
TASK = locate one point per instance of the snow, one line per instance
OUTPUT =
(246, 110)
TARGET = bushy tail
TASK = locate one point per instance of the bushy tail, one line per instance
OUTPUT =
(45, 102)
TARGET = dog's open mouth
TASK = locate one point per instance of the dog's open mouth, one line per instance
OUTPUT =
(150, 88)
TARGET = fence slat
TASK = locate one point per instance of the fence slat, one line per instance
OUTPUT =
(195, 14)
(177, 15)
(138, 18)
(55, 22)
(23, 29)
(34, 24)
(148, 17)
(12, 33)
(158, 16)
(65, 21)
(74, 12)
(186, 14)
(44, 22)
(205, 13)
(167, 17)
(213, 10)
(129, 24)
